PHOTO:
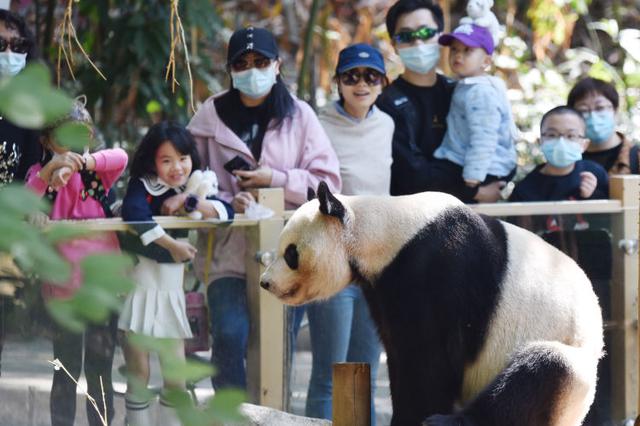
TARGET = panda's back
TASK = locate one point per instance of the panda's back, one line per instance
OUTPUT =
(544, 296)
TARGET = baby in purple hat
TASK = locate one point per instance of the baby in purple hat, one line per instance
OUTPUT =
(480, 128)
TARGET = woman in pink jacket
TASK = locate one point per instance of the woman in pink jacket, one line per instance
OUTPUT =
(254, 135)
(77, 186)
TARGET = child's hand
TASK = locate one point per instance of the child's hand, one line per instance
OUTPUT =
(173, 205)
(588, 183)
(60, 177)
(257, 178)
(68, 159)
(489, 193)
(241, 201)
(182, 251)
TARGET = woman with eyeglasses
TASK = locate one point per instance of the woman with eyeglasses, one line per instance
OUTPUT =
(255, 135)
(19, 148)
(598, 103)
(341, 328)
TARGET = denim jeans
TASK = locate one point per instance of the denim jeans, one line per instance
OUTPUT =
(230, 331)
(342, 330)
(229, 314)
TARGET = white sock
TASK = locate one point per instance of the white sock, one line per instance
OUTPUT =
(167, 415)
(138, 412)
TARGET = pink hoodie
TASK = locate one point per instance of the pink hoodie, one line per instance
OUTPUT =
(68, 204)
(299, 153)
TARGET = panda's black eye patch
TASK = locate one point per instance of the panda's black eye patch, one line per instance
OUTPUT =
(291, 256)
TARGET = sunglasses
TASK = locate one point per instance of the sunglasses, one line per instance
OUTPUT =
(16, 44)
(243, 64)
(422, 33)
(353, 77)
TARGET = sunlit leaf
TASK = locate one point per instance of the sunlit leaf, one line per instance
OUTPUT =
(29, 100)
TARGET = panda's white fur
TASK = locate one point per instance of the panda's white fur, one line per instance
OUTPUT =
(544, 309)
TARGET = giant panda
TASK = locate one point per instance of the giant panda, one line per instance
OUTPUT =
(483, 322)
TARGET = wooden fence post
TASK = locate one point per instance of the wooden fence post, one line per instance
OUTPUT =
(624, 299)
(266, 357)
(351, 394)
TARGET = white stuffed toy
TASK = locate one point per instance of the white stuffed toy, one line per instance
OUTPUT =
(480, 13)
(203, 184)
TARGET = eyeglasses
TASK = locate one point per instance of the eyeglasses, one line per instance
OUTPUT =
(353, 77)
(422, 33)
(598, 108)
(243, 64)
(16, 44)
(573, 137)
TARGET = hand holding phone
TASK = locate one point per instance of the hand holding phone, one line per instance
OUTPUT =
(237, 163)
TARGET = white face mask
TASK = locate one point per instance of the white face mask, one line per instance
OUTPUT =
(254, 82)
(11, 63)
(421, 58)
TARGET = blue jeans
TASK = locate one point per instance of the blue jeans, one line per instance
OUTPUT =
(342, 330)
(230, 331)
(229, 314)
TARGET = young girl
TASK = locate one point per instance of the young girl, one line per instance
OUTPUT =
(160, 169)
(77, 186)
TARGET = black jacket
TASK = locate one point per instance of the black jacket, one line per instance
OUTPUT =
(420, 115)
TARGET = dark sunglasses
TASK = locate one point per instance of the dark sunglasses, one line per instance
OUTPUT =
(16, 44)
(243, 64)
(422, 33)
(353, 77)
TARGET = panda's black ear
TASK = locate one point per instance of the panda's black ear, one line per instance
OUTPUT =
(330, 205)
(311, 194)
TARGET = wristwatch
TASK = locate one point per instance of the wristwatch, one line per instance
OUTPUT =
(190, 203)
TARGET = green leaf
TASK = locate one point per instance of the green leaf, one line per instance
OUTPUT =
(17, 201)
(190, 371)
(73, 135)
(153, 107)
(60, 232)
(63, 313)
(29, 101)
(225, 405)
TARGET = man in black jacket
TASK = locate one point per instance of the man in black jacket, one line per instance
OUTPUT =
(418, 101)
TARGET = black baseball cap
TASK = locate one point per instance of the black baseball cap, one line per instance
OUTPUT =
(252, 39)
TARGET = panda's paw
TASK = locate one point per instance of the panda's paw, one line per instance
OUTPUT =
(446, 420)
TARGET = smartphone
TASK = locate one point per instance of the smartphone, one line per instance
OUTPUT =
(237, 163)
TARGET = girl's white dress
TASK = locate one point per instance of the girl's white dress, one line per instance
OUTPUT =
(156, 306)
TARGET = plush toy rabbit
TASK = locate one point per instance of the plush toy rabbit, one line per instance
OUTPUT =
(480, 13)
(203, 184)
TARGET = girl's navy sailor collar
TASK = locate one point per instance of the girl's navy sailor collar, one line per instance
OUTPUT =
(156, 186)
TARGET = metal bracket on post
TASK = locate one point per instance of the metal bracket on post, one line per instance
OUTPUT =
(629, 246)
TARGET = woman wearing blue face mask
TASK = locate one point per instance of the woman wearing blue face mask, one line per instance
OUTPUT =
(19, 148)
(254, 135)
(598, 103)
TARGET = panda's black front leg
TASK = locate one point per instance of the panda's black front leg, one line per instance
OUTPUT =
(420, 387)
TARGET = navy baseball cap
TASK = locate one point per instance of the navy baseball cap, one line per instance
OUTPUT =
(470, 35)
(252, 39)
(359, 55)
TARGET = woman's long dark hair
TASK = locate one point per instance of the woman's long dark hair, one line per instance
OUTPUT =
(279, 103)
(144, 159)
(15, 22)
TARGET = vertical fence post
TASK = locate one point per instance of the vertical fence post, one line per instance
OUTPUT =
(624, 299)
(266, 369)
(351, 394)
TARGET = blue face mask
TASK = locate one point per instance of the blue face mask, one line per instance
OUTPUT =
(421, 58)
(560, 152)
(11, 63)
(254, 82)
(600, 126)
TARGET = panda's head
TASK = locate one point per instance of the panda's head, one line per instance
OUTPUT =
(312, 262)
